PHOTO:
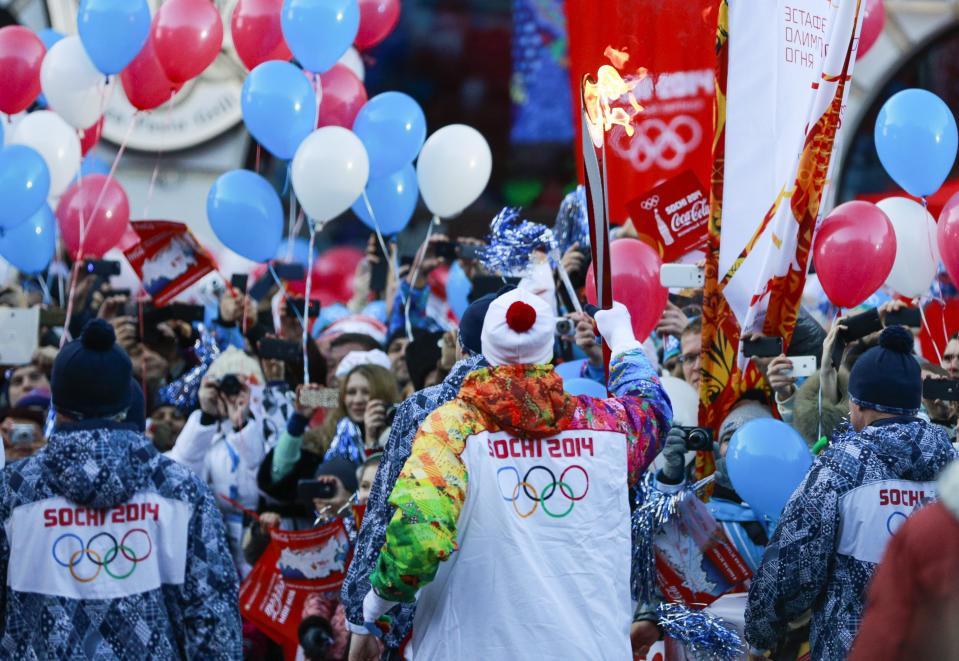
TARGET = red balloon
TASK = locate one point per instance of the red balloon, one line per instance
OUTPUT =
(635, 268)
(90, 137)
(333, 273)
(21, 53)
(377, 20)
(854, 252)
(145, 82)
(947, 236)
(874, 17)
(257, 35)
(106, 222)
(187, 36)
(343, 96)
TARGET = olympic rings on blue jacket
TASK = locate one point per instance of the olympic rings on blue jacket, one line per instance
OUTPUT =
(101, 559)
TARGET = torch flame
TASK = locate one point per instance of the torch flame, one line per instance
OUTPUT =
(605, 96)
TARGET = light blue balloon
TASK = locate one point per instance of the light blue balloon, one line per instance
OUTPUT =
(458, 288)
(91, 164)
(29, 246)
(300, 254)
(246, 214)
(393, 199)
(113, 32)
(916, 140)
(392, 127)
(319, 32)
(24, 184)
(587, 387)
(279, 107)
(766, 460)
(571, 369)
(49, 36)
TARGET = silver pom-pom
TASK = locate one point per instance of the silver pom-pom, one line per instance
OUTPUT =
(705, 636)
(512, 240)
(184, 392)
(653, 510)
(572, 221)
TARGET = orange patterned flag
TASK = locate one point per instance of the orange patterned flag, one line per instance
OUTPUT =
(779, 93)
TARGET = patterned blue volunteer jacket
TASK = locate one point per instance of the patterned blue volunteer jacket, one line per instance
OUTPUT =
(409, 416)
(833, 532)
(112, 551)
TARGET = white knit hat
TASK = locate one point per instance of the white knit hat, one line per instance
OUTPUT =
(519, 329)
(234, 361)
(357, 358)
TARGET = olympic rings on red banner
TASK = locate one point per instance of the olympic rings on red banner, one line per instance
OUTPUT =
(101, 557)
(552, 486)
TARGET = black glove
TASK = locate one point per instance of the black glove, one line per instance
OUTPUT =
(674, 454)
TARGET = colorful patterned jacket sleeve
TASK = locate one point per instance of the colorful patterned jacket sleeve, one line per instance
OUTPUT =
(428, 497)
(641, 409)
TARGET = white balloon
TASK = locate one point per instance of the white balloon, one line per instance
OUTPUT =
(684, 399)
(74, 88)
(453, 169)
(354, 62)
(56, 141)
(330, 171)
(917, 253)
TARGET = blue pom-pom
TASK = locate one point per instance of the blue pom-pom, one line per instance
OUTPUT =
(572, 222)
(511, 242)
(704, 635)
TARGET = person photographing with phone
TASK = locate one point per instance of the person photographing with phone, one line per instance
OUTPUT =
(499, 481)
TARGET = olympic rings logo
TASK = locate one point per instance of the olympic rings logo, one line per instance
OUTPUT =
(650, 203)
(656, 143)
(102, 551)
(544, 492)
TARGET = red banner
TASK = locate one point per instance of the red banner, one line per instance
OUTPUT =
(673, 217)
(168, 259)
(295, 565)
(675, 43)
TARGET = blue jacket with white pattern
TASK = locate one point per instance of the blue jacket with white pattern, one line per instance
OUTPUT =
(833, 530)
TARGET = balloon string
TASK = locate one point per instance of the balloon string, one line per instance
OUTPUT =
(290, 233)
(45, 289)
(306, 309)
(257, 165)
(379, 236)
(414, 272)
(75, 273)
(835, 320)
(159, 158)
(116, 162)
(286, 299)
(925, 324)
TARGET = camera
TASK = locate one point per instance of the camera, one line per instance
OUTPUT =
(697, 438)
(22, 434)
(230, 385)
(390, 415)
(565, 327)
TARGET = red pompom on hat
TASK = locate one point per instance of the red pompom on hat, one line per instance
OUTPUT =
(520, 316)
(519, 329)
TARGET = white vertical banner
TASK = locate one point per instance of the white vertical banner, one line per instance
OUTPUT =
(787, 59)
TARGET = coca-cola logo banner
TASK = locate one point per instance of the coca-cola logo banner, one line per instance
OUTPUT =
(673, 217)
(674, 42)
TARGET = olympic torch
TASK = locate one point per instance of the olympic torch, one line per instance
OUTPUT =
(599, 116)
